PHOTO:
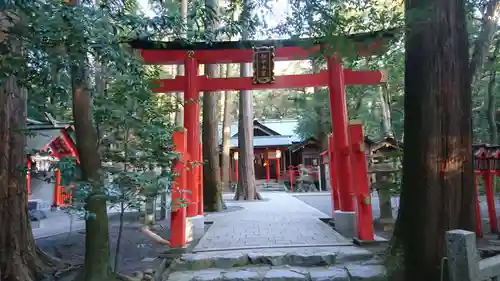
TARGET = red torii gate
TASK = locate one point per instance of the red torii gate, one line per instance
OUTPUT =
(336, 77)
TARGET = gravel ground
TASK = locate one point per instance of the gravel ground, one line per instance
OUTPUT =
(137, 251)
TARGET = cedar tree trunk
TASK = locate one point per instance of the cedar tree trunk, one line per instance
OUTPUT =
(20, 259)
(246, 171)
(96, 265)
(437, 190)
(226, 134)
(245, 189)
(211, 177)
(212, 193)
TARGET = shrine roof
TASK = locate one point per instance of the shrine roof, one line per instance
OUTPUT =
(180, 44)
(268, 141)
(45, 135)
(388, 141)
(41, 133)
(283, 127)
(281, 133)
(299, 145)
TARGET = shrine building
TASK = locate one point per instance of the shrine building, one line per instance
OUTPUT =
(276, 148)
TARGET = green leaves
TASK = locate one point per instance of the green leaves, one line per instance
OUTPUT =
(133, 125)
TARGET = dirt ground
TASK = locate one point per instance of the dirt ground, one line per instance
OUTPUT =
(137, 252)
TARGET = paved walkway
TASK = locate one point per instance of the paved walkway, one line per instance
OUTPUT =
(280, 220)
(56, 223)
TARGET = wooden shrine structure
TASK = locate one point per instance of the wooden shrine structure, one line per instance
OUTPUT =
(345, 147)
(41, 158)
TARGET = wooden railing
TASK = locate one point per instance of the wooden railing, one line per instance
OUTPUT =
(464, 263)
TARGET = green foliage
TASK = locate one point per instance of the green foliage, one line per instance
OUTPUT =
(134, 132)
(332, 20)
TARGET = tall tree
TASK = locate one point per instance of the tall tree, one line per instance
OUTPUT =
(212, 193)
(245, 189)
(226, 134)
(437, 163)
(20, 259)
(96, 265)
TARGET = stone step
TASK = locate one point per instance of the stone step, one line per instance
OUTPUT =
(307, 256)
(271, 186)
(348, 272)
(272, 189)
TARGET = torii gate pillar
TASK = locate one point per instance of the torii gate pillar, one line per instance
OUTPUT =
(345, 218)
(339, 119)
(194, 184)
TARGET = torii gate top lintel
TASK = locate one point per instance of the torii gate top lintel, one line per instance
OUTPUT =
(175, 52)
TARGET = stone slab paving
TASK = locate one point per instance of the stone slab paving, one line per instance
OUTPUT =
(348, 272)
(310, 256)
(280, 221)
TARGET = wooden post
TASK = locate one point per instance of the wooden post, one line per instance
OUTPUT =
(278, 168)
(462, 255)
(290, 176)
(192, 124)
(178, 213)
(338, 109)
(364, 214)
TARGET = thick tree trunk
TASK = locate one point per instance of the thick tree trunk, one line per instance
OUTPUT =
(211, 177)
(438, 189)
(226, 134)
(245, 189)
(96, 265)
(96, 262)
(212, 193)
(20, 259)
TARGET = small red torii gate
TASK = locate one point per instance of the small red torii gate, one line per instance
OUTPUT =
(335, 77)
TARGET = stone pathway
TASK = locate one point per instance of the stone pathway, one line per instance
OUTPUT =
(276, 239)
(280, 221)
(350, 272)
(280, 264)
